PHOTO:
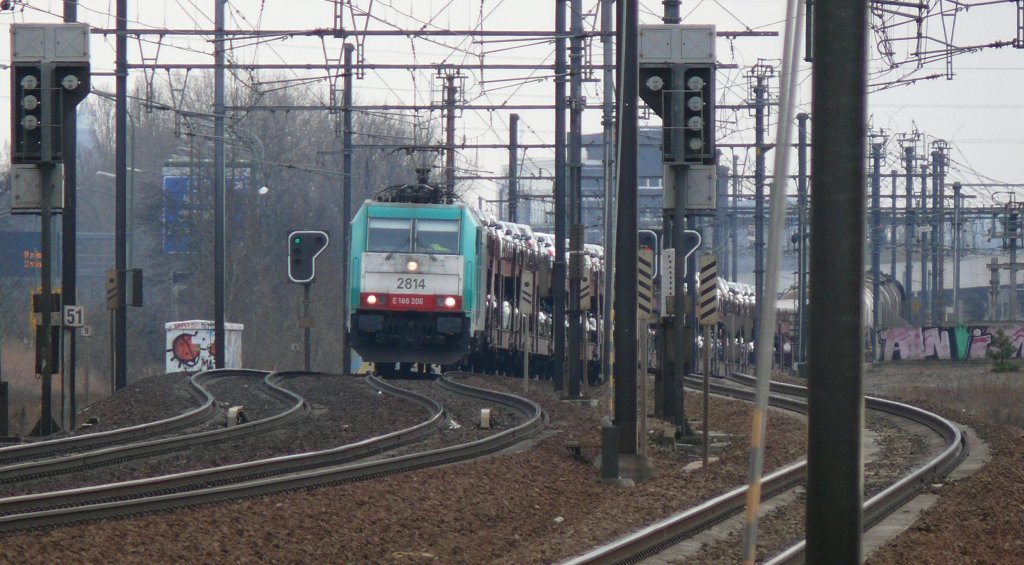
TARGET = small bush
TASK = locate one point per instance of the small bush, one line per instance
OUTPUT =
(1001, 351)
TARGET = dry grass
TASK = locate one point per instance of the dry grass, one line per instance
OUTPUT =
(970, 388)
(25, 387)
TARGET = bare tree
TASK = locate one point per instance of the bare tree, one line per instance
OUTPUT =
(296, 156)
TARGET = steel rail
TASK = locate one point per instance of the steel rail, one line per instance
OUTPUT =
(238, 472)
(54, 447)
(110, 455)
(892, 498)
(107, 501)
(670, 531)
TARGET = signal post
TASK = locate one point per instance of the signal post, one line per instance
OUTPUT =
(672, 68)
(49, 78)
(677, 80)
(303, 248)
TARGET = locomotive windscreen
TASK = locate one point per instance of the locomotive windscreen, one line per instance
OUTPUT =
(437, 236)
(388, 235)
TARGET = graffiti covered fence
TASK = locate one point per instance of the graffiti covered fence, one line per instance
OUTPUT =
(956, 343)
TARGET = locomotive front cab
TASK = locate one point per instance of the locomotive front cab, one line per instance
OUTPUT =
(412, 286)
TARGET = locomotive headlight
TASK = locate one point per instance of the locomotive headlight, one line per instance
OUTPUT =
(371, 299)
(449, 302)
(412, 266)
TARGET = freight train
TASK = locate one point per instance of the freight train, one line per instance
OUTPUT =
(891, 303)
(434, 281)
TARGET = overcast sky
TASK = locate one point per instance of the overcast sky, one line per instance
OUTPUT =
(979, 112)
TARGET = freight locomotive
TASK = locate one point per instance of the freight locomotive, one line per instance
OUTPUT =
(435, 282)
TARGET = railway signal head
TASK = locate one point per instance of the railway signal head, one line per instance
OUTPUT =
(698, 121)
(303, 248)
(27, 113)
(43, 91)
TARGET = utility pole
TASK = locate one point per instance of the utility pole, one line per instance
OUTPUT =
(44, 334)
(909, 234)
(577, 343)
(120, 361)
(956, 252)
(681, 337)
(760, 73)
(219, 255)
(893, 174)
(721, 202)
(1013, 224)
(513, 168)
(835, 491)
(346, 204)
(938, 237)
(935, 242)
(732, 219)
(666, 402)
(801, 188)
(926, 299)
(994, 312)
(626, 354)
(608, 123)
(876, 244)
(449, 129)
(558, 272)
(69, 235)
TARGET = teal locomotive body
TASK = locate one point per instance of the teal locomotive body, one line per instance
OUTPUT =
(414, 281)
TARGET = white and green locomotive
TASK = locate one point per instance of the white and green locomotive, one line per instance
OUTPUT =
(434, 282)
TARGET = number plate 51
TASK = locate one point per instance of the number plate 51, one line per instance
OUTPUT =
(74, 316)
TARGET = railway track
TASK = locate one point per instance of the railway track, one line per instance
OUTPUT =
(673, 530)
(279, 474)
(57, 447)
(66, 455)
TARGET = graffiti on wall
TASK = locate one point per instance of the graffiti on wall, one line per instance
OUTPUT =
(192, 351)
(190, 346)
(957, 343)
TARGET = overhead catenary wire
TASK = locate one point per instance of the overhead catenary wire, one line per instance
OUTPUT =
(430, 29)
(392, 17)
